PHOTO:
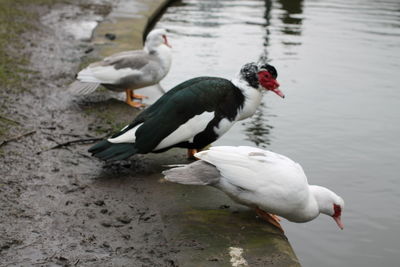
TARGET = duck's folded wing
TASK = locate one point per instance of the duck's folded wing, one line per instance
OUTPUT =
(234, 168)
(124, 54)
(176, 117)
(253, 168)
(112, 69)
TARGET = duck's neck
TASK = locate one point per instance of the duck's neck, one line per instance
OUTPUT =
(163, 53)
(319, 201)
(324, 198)
(311, 207)
(252, 98)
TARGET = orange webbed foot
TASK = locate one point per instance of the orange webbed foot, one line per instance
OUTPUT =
(130, 102)
(137, 96)
(270, 218)
(191, 152)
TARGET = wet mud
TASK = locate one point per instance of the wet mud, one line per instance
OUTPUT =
(60, 206)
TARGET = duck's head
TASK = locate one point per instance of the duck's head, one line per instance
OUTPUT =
(329, 203)
(261, 76)
(155, 38)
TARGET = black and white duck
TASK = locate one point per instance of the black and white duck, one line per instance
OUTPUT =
(192, 115)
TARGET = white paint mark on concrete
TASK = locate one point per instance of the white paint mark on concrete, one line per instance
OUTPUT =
(237, 259)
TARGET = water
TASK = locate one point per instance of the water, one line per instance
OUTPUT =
(339, 66)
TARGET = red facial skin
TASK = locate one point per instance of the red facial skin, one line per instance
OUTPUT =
(268, 82)
(166, 41)
(336, 216)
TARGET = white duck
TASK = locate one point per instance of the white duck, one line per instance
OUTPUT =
(128, 70)
(261, 179)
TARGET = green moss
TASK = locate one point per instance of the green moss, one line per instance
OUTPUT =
(215, 230)
(97, 8)
(86, 60)
(107, 117)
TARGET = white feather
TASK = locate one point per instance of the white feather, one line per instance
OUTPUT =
(186, 131)
(223, 126)
(266, 177)
(128, 137)
(183, 133)
(252, 100)
(105, 74)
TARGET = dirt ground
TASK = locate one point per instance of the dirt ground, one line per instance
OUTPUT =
(59, 206)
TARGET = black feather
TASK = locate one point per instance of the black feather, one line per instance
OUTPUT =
(106, 150)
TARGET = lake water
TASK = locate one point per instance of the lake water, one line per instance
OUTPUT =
(339, 66)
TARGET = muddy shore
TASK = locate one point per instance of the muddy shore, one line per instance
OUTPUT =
(61, 207)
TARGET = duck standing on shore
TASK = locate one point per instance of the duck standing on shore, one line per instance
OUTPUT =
(192, 115)
(266, 181)
(128, 70)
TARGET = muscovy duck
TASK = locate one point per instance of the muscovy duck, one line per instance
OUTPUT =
(260, 179)
(192, 115)
(128, 70)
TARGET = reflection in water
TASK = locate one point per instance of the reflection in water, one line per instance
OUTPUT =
(257, 129)
(267, 16)
(291, 18)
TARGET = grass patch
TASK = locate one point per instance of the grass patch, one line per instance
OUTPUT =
(16, 18)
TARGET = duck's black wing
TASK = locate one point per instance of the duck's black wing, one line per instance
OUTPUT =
(173, 109)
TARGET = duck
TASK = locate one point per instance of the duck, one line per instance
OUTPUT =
(270, 183)
(128, 70)
(192, 115)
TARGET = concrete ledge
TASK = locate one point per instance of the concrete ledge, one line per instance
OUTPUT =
(129, 21)
(192, 216)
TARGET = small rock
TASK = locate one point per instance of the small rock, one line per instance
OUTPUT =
(124, 219)
(61, 258)
(99, 202)
(90, 49)
(126, 250)
(110, 36)
(105, 245)
(104, 211)
(106, 224)
(126, 237)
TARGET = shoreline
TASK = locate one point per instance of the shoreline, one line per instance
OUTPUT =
(63, 207)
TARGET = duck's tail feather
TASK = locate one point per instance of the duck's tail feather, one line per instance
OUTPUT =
(196, 173)
(82, 88)
(106, 150)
